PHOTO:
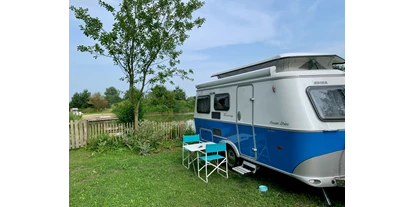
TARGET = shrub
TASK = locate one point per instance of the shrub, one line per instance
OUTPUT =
(147, 134)
(143, 141)
(104, 142)
(125, 112)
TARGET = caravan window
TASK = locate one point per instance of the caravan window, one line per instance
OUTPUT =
(222, 102)
(203, 104)
(328, 102)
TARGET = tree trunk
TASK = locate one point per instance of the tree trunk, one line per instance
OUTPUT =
(136, 115)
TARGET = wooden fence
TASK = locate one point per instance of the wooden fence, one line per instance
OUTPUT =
(81, 130)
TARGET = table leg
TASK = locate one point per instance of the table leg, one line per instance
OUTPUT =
(191, 159)
(194, 168)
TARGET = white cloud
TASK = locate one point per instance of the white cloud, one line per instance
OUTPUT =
(231, 22)
(283, 39)
(292, 23)
(227, 22)
(313, 7)
(193, 56)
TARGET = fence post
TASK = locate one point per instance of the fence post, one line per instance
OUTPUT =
(76, 133)
(71, 140)
(86, 132)
(182, 126)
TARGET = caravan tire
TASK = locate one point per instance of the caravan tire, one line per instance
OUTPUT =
(232, 159)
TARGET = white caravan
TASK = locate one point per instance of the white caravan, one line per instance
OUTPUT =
(286, 113)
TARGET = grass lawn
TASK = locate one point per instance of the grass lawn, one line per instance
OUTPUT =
(122, 178)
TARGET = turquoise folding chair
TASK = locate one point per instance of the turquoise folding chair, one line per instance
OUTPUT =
(188, 139)
(211, 157)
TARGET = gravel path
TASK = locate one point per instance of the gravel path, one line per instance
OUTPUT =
(98, 116)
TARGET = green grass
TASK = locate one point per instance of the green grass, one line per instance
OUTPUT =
(122, 178)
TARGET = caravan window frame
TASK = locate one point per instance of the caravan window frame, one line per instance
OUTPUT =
(209, 104)
(220, 94)
(316, 108)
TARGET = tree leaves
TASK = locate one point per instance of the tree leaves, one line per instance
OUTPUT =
(98, 101)
(144, 38)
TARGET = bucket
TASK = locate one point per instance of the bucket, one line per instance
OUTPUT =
(262, 188)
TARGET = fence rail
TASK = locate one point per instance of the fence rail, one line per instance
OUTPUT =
(81, 130)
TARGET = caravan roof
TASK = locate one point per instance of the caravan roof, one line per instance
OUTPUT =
(288, 62)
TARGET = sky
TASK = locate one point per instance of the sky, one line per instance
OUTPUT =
(236, 33)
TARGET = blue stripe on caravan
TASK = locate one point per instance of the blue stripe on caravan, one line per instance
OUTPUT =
(280, 149)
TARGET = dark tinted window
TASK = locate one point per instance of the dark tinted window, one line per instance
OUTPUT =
(203, 104)
(222, 102)
(328, 101)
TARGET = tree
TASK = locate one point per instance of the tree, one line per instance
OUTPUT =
(134, 93)
(191, 102)
(339, 67)
(157, 94)
(179, 94)
(143, 40)
(126, 107)
(80, 100)
(98, 101)
(160, 95)
(112, 95)
(180, 106)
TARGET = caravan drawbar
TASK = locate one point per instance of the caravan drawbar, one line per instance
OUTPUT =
(286, 113)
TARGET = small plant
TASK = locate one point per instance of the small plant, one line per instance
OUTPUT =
(144, 140)
(148, 134)
(189, 130)
(144, 148)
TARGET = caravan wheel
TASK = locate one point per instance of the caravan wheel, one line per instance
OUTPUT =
(232, 159)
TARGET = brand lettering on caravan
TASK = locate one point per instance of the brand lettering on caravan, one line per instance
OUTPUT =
(226, 114)
(279, 123)
(320, 82)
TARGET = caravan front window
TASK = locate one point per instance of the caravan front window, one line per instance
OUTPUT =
(328, 102)
(203, 104)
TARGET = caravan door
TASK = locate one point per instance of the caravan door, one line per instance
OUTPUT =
(244, 121)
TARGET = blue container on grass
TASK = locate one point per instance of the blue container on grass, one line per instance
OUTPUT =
(262, 188)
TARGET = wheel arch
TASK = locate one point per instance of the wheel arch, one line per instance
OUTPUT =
(232, 145)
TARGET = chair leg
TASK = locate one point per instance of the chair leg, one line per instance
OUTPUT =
(184, 158)
(188, 159)
(216, 164)
(224, 161)
(206, 172)
(204, 166)
(198, 166)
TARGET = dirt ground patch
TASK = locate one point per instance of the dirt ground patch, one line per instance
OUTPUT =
(98, 116)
